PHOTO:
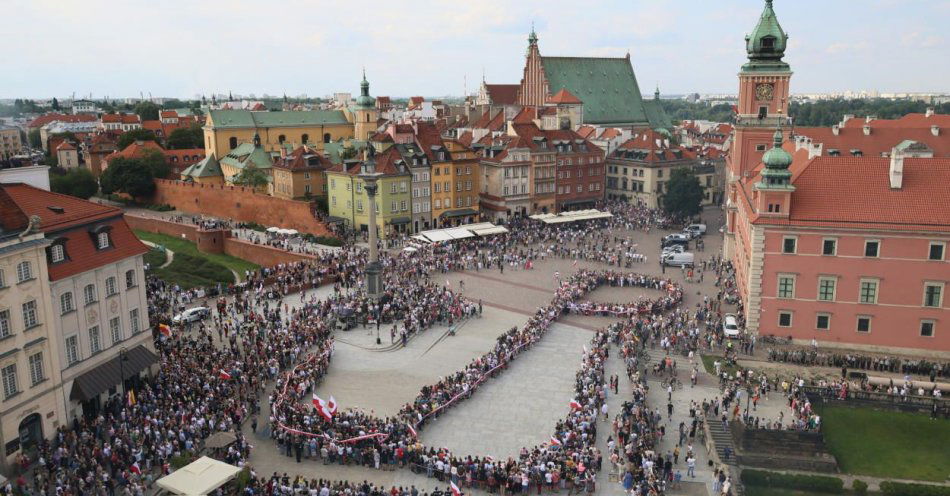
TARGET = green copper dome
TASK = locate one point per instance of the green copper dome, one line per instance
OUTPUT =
(664, 132)
(766, 43)
(364, 100)
(777, 158)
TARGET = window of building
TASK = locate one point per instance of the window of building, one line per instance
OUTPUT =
(936, 250)
(5, 329)
(786, 286)
(760, 148)
(57, 253)
(30, 318)
(95, 345)
(933, 294)
(8, 375)
(871, 248)
(66, 302)
(281, 139)
(115, 329)
(111, 286)
(927, 328)
(823, 321)
(458, 186)
(129, 279)
(789, 244)
(102, 240)
(864, 323)
(868, 291)
(72, 349)
(232, 143)
(403, 205)
(305, 138)
(3, 279)
(785, 319)
(24, 271)
(829, 246)
(134, 320)
(89, 294)
(36, 368)
(659, 173)
(393, 206)
(826, 288)
(438, 202)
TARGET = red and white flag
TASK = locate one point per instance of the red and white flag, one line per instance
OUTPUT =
(165, 330)
(332, 406)
(455, 490)
(223, 374)
(135, 468)
(412, 431)
(555, 441)
(576, 405)
(322, 408)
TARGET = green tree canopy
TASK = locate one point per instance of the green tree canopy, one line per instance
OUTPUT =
(684, 194)
(155, 162)
(134, 135)
(76, 182)
(252, 176)
(55, 103)
(182, 138)
(128, 175)
(36, 141)
(148, 111)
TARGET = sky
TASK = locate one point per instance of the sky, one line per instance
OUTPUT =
(181, 48)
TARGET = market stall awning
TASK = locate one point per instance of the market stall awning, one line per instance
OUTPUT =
(400, 220)
(335, 220)
(485, 231)
(199, 477)
(104, 376)
(459, 213)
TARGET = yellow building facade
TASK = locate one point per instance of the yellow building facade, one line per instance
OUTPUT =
(225, 130)
(455, 185)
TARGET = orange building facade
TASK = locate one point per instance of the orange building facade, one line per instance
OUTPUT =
(839, 236)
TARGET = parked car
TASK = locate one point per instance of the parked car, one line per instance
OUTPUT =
(696, 229)
(192, 315)
(679, 259)
(730, 326)
(673, 249)
(674, 239)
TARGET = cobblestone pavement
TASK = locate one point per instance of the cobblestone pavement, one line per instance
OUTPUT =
(520, 406)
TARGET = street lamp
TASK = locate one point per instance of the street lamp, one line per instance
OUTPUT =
(122, 360)
(748, 399)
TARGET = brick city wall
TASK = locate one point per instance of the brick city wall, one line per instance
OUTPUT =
(262, 255)
(238, 203)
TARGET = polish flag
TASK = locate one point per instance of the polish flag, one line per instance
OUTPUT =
(322, 408)
(165, 330)
(576, 405)
(135, 468)
(412, 431)
(222, 374)
(455, 490)
(555, 441)
(332, 406)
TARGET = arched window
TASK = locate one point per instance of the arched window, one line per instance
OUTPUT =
(305, 138)
(326, 137)
(232, 142)
(367, 117)
(281, 139)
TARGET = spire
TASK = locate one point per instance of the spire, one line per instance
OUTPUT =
(656, 94)
(766, 43)
(364, 100)
(532, 37)
(776, 175)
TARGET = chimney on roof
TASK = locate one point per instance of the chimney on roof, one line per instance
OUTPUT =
(930, 112)
(836, 129)
(935, 130)
(845, 118)
(867, 129)
(896, 171)
(283, 152)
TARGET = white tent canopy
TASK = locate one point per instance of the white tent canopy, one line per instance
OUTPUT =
(571, 216)
(460, 232)
(199, 477)
(273, 229)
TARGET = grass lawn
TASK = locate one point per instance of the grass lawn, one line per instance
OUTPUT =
(711, 369)
(186, 247)
(772, 491)
(155, 258)
(887, 444)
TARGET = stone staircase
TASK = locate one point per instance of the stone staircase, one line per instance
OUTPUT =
(722, 439)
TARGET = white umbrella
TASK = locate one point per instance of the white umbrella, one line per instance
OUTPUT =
(273, 229)
(410, 249)
(291, 231)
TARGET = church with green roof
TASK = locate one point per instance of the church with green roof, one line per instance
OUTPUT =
(606, 86)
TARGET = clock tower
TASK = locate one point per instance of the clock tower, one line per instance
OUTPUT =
(763, 93)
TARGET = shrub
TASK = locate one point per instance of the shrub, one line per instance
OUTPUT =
(323, 240)
(254, 226)
(181, 460)
(816, 483)
(860, 487)
(164, 207)
(908, 489)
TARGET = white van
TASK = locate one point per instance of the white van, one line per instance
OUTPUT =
(696, 230)
(679, 259)
(730, 326)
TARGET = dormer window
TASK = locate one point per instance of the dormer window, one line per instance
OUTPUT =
(102, 240)
(57, 253)
(768, 43)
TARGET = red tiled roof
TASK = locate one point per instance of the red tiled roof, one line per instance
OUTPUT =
(855, 192)
(167, 114)
(383, 100)
(466, 138)
(135, 150)
(609, 133)
(906, 121)
(258, 107)
(658, 148)
(881, 140)
(121, 118)
(527, 115)
(304, 158)
(382, 138)
(503, 94)
(51, 117)
(65, 145)
(563, 96)
(152, 125)
(586, 131)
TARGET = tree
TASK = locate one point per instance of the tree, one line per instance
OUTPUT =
(36, 141)
(155, 162)
(148, 111)
(128, 175)
(182, 138)
(55, 103)
(684, 194)
(252, 176)
(77, 182)
(347, 152)
(134, 135)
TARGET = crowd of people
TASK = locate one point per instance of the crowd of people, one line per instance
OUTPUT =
(853, 361)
